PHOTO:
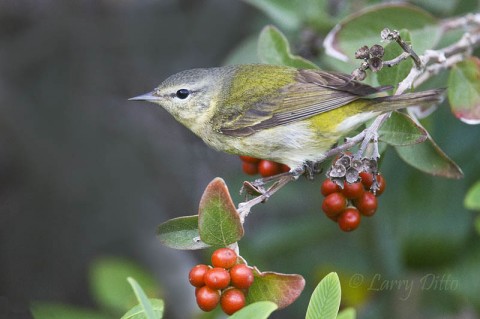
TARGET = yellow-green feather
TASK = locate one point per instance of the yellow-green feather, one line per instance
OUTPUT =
(328, 121)
(276, 112)
(254, 83)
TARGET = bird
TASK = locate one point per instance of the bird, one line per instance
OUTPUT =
(279, 113)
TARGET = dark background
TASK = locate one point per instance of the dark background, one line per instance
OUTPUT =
(84, 173)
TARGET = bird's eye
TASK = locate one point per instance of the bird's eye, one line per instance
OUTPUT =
(182, 94)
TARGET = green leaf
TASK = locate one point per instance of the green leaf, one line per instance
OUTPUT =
(400, 129)
(464, 90)
(347, 313)
(295, 14)
(218, 220)
(325, 300)
(364, 27)
(245, 52)
(257, 310)
(273, 48)
(395, 74)
(181, 233)
(472, 200)
(137, 312)
(108, 285)
(143, 300)
(429, 158)
(283, 12)
(443, 8)
(46, 310)
(282, 289)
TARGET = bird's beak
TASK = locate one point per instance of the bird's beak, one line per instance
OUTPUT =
(150, 97)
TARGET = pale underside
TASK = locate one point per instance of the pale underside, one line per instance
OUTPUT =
(291, 144)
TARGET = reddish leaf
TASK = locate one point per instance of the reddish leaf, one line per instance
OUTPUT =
(218, 221)
(282, 289)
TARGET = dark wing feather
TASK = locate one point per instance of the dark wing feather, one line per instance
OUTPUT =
(338, 81)
(313, 93)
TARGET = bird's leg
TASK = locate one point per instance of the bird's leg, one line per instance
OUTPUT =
(269, 179)
(309, 169)
(257, 187)
(263, 195)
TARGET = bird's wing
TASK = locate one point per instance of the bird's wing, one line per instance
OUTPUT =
(314, 92)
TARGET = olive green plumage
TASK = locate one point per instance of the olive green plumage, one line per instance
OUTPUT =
(275, 112)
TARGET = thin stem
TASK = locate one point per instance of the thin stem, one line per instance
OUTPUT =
(394, 35)
(371, 134)
(438, 60)
(396, 60)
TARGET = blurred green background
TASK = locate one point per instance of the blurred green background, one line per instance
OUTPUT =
(86, 174)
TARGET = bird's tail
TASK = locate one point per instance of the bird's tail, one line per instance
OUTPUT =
(395, 102)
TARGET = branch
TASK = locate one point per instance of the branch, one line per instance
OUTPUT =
(394, 35)
(434, 61)
(427, 65)
(396, 60)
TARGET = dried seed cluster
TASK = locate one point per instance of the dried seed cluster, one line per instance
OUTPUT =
(373, 60)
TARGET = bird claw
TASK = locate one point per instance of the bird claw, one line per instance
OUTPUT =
(257, 188)
(250, 188)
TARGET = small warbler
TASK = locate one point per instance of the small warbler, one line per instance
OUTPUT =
(288, 115)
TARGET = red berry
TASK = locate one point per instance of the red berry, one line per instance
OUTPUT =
(349, 219)
(353, 190)
(329, 187)
(241, 276)
(196, 275)
(367, 179)
(268, 168)
(249, 168)
(381, 185)
(332, 218)
(217, 278)
(207, 298)
(224, 257)
(232, 300)
(334, 204)
(249, 159)
(284, 168)
(367, 204)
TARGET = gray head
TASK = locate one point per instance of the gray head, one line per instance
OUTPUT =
(188, 95)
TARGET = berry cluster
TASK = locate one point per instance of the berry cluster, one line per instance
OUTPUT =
(346, 205)
(227, 282)
(265, 168)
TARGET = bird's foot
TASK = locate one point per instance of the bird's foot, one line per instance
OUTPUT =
(259, 187)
